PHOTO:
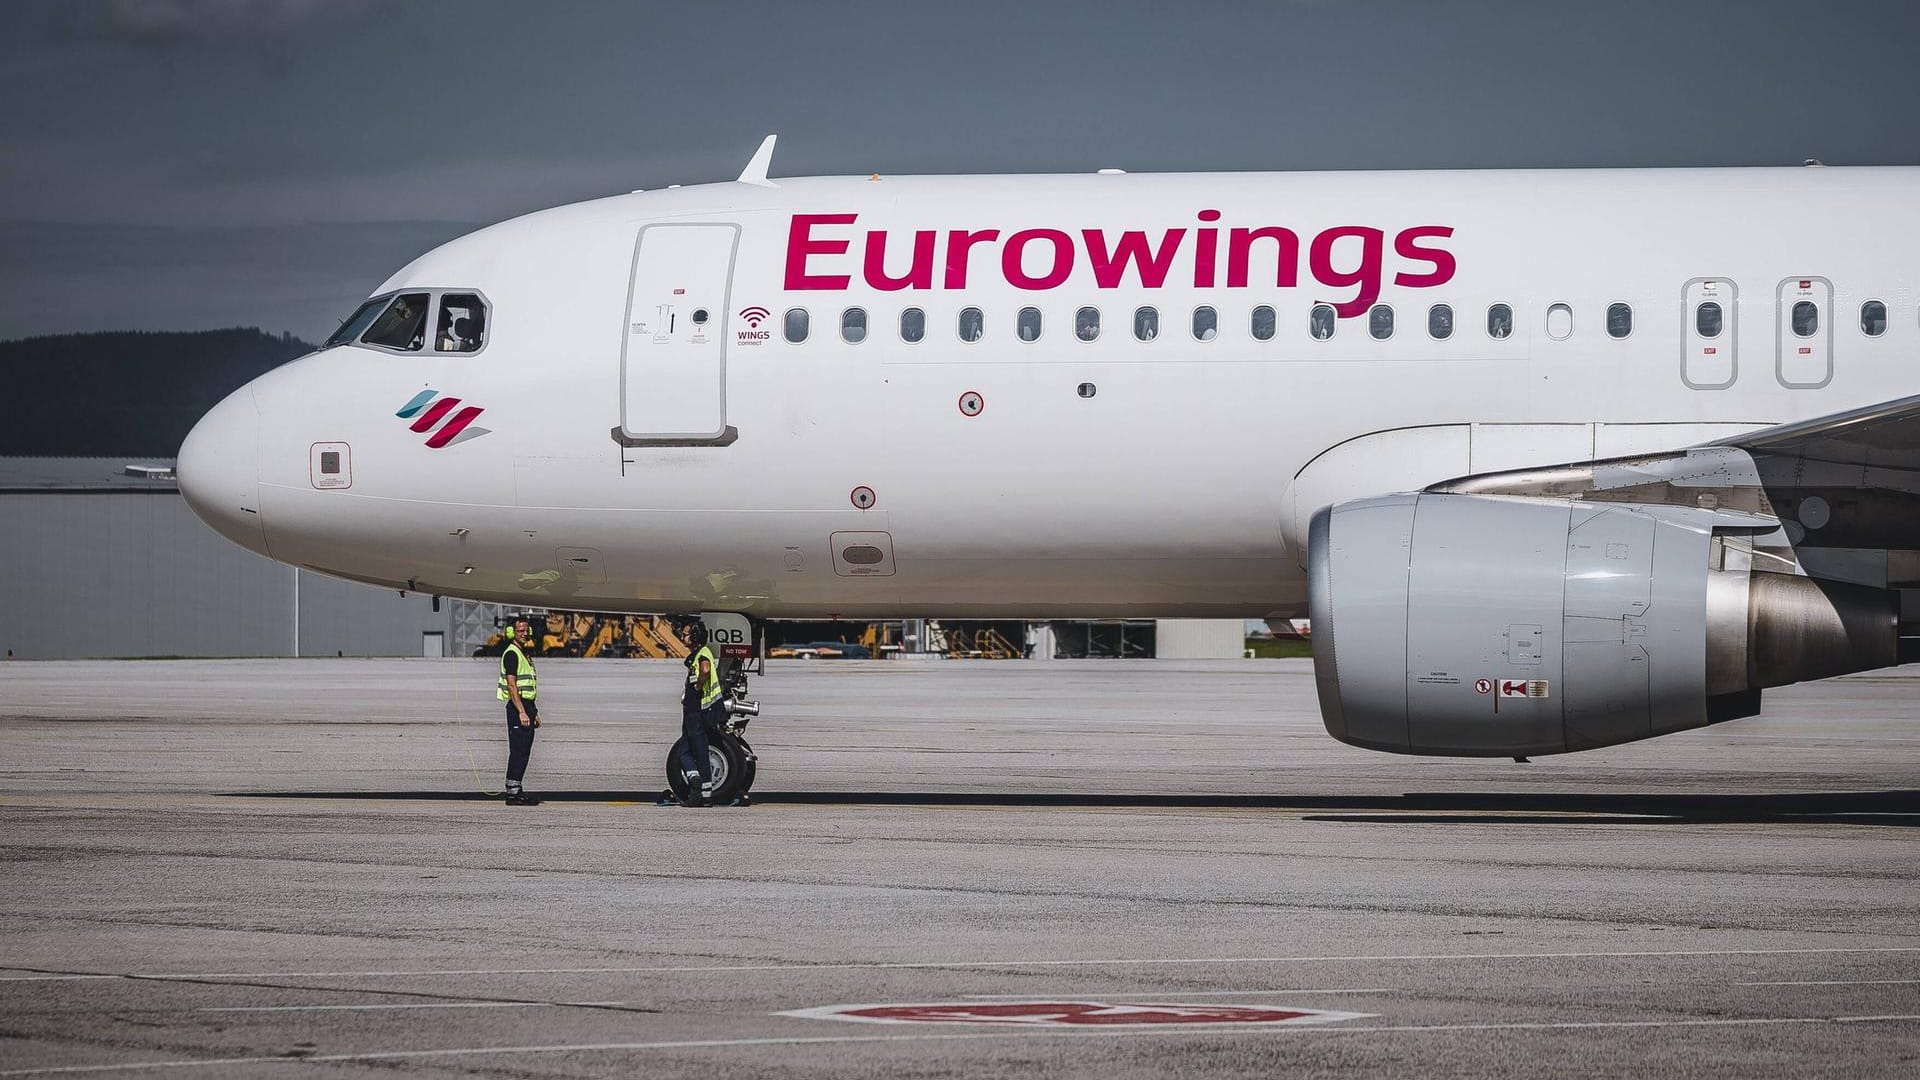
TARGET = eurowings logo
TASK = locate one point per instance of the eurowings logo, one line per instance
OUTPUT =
(426, 414)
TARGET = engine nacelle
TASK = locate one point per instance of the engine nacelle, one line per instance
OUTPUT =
(1494, 626)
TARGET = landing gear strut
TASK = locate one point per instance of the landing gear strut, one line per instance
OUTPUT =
(730, 761)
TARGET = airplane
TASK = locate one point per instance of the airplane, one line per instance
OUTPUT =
(1553, 460)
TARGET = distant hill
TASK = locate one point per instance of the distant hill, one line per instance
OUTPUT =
(131, 393)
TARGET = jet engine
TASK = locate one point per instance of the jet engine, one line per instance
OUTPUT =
(1495, 625)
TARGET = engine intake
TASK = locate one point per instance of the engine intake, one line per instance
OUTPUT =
(1494, 626)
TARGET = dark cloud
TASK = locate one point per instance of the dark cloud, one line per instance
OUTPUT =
(248, 122)
(302, 278)
(168, 23)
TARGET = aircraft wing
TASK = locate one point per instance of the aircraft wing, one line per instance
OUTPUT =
(1848, 481)
(1843, 491)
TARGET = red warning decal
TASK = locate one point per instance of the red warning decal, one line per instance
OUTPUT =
(1068, 1014)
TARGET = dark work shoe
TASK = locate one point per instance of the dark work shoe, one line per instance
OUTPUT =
(522, 799)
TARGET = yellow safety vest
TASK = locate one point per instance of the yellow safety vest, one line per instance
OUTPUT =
(709, 693)
(525, 680)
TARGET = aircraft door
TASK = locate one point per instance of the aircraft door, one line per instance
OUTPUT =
(1803, 333)
(1710, 309)
(673, 373)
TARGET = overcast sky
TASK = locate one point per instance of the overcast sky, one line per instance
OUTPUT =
(181, 164)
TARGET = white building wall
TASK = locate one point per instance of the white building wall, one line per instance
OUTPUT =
(134, 573)
(1200, 639)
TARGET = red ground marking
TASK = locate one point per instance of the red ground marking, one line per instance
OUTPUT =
(1065, 1013)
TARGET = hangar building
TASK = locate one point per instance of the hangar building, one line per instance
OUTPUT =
(100, 557)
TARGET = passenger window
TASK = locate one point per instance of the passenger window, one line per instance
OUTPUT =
(1086, 323)
(853, 325)
(1559, 322)
(1440, 322)
(1708, 319)
(1806, 318)
(1873, 318)
(796, 325)
(972, 324)
(1027, 325)
(357, 322)
(1320, 322)
(1500, 321)
(1206, 323)
(1146, 323)
(462, 325)
(1619, 320)
(1262, 323)
(913, 325)
(403, 325)
(1380, 321)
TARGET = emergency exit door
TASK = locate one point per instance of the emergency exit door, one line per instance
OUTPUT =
(1710, 309)
(673, 367)
(1803, 333)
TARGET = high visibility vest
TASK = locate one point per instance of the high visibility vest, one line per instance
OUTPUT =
(525, 680)
(709, 693)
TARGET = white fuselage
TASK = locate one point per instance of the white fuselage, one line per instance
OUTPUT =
(1178, 488)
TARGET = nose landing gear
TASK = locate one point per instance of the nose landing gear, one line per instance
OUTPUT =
(730, 762)
(732, 765)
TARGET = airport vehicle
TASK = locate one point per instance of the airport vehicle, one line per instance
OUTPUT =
(1554, 459)
(595, 634)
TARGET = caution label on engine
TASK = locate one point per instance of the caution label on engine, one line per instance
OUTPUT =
(1512, 688)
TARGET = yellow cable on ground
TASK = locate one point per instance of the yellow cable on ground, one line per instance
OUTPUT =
(473, 764)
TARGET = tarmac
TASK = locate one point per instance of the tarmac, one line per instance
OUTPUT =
(290, 868)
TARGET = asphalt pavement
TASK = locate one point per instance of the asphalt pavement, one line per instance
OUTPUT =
(1100, 868)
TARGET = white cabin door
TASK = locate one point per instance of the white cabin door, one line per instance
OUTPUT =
(673, 366)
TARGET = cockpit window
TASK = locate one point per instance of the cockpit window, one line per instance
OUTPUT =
(403, 325)
(357, 322)
(462, 326)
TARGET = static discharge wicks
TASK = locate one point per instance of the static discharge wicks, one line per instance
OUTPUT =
(1037, 259)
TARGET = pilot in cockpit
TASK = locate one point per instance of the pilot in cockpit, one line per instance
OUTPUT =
(460, 327)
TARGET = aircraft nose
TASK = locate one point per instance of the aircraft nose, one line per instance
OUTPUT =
(218, 470)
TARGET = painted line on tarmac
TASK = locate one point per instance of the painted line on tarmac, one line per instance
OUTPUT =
(419, 1005)
(1050, 1033)
(908, 965)
(1836, 982)
(1170, 994)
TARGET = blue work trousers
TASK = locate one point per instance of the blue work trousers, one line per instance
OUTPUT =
(693, 746)
(519, 742)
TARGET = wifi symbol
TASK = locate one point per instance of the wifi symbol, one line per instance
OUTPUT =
(754, 316)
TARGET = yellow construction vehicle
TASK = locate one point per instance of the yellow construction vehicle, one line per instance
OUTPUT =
(577, 633)
(984, 643)
(653, 636)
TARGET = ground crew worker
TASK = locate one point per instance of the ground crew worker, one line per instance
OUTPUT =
(518, 688)
(699, 701)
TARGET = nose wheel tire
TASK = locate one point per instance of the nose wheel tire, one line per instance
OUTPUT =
(731, 763)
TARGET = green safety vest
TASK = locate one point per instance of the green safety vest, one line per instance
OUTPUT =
(709, 693)
(525, 680)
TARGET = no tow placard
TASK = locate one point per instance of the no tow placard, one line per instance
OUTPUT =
(729, 632)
